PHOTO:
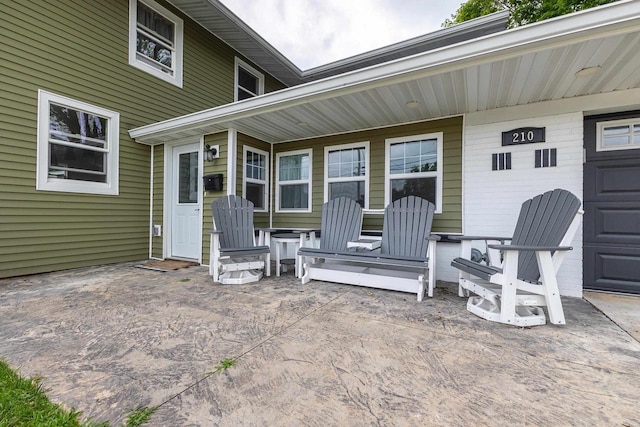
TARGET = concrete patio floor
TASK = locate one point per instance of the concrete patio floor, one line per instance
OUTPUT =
(113, 338)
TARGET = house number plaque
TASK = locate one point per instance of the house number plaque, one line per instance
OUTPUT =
(522, 136)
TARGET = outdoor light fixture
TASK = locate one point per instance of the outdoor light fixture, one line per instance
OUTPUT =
(413, 104)
(211, 152)
(588, 71)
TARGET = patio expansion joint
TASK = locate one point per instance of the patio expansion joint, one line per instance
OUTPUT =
(269, 338)
(622, 327)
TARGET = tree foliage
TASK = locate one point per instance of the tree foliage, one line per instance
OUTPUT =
(521, 12)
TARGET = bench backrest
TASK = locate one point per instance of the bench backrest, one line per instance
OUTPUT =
(233, 215)
(341, 223)
(543, 221)
(407, 224)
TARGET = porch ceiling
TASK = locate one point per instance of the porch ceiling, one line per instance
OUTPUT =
(517, 67)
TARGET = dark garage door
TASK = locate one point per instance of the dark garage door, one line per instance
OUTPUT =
(612, 203)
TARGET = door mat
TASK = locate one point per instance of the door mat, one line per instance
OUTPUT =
(167, 265)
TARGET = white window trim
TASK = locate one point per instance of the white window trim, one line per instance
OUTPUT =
(176, 78)
(308, 151)
(438, 136)
(364, 178)
(613, 123)
(245, 150)
(43, 181)
(240, 63)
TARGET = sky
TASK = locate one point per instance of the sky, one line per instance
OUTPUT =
(316, 32)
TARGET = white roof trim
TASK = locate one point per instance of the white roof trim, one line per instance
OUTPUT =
(611, 19)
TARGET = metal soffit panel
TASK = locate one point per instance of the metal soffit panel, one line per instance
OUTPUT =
(525, 69)
(526, 79)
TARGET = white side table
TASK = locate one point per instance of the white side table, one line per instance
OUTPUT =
(297, 238)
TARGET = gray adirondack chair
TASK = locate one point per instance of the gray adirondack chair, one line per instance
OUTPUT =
(514, 292)
(404, 262)
(234, 255)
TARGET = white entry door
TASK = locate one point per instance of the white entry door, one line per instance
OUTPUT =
(185, 206)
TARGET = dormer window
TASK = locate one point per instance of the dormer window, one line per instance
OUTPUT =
(249, 81)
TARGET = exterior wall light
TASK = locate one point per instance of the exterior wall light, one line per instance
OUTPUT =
(211, 152)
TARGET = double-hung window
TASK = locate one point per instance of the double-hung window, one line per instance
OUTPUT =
(77, 146)
(414, 168)
(155, 40)
(293, 181)
(249, 82)
(618, 135)
(346, 172)
(255, 180)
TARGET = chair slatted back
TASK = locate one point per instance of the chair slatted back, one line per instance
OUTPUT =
(233, 215)
(407, 224)
(543, 221)
(341, 223)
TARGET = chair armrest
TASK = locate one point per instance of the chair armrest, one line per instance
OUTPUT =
(215, 232)
(479, 238)
(530, 248)
(433, 237)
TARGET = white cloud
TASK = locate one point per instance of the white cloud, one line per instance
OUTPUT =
(316, 32)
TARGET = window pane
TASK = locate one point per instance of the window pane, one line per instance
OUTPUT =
(67, 124)
(347, 163)
(154, 50)
(188, 178)
(413, 157)
(610, 141)
(77, 163)
(255, 166)
(255, 193)
(294, 167)
(421, 187)
(155, 23)
(294, 196)
(616, 130)
(353, 190)
(247, 81)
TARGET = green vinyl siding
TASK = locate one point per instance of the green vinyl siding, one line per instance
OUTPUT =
(79, 49)
(260, 219)
(218, 165)
(450, 220)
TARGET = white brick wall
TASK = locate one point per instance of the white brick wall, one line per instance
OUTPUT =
(492, 199)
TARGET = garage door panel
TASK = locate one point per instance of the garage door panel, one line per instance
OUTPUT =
(612, 180)
(609, 222)
(612, 269)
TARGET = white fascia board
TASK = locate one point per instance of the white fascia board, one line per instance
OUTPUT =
(607, 20)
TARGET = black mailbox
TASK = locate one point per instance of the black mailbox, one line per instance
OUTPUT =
(213, 182)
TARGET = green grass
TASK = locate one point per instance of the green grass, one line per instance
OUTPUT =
(23, 403)
(223, 365)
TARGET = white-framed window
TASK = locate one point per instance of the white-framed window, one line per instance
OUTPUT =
(618, 135)
(249, 82)
(346, 172)
(255, 180)
(155, 40)
(413, 166)
(293, 181)
(77, 146)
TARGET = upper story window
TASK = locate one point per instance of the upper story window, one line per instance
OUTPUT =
(155, 40)
(249, 82)
(255, 180)
(618, 135)
(293, 181)
(77, 146)
(346, 172)
(414, 168)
